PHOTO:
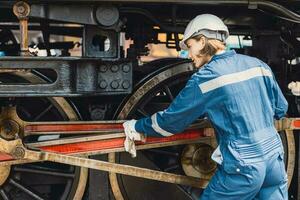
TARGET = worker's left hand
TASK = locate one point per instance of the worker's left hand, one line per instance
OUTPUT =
(131, 136)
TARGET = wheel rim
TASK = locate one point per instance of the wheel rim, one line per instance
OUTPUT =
(139, 97)
(43, 180)
(178, 74)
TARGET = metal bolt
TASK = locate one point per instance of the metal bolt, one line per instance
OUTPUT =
(126, 84)
(18, 153)
(103, 68)
(103, 84)
(126, 68)
(114, 68)
(21, 9)
(114, 84)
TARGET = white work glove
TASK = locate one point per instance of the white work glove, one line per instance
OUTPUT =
(295, 88)
(131, 136)
(217, 156)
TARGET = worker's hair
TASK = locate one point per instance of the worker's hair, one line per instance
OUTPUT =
(211, 46)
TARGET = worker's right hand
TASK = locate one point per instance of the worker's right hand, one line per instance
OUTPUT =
(295, 88)
(131, 136)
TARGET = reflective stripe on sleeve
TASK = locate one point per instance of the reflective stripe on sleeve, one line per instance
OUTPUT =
(234, 78)
(157, 128)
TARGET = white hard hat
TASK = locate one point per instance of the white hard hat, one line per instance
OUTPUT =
(208, 25)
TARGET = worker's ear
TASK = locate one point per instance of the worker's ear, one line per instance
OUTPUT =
(202, 42)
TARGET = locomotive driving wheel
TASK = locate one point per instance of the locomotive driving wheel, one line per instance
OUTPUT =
(41, 180)
(153, 94)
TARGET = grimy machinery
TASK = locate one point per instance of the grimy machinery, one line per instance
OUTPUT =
(61, 116)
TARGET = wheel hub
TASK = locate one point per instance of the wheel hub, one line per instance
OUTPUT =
(196, 161)
(9, 129)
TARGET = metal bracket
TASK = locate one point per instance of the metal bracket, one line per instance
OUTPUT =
(22, 10)
(74, 76)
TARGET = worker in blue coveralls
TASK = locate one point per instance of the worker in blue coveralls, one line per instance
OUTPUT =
(241, 98)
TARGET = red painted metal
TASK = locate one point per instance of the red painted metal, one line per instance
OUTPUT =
(118, 143)
(297, 123)
(5, 157)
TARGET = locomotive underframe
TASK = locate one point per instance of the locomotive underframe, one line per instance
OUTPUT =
(103, 76)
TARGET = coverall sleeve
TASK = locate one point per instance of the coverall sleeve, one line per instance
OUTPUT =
(188, 105)
(279, 103)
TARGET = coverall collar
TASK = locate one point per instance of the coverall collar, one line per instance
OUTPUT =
(223, 55)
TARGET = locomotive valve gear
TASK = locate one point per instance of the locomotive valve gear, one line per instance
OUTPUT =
(206, 24)
(295, 88)
(131, 136)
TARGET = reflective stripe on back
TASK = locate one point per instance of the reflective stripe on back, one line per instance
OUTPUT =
(234, 78)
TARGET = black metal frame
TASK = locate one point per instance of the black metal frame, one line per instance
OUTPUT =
(74, 76)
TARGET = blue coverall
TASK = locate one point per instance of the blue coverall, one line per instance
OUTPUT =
(241, 98)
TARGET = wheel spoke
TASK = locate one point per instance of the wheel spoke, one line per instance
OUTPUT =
(168, 92)
(43, 112)
(43, 172)
(3, 195)
(171, 167)
(158, 106)
(142, 112)
(164, 152)
(25, 190)
(192, 193)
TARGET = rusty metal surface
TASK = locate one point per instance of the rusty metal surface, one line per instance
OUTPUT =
(291, 155)
(22, 10)
(12, 126)
(115, 168)
(195, 159)
(21, 154)
(16, 149)
(5, 170)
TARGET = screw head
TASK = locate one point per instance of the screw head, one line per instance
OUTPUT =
(114, 68)
(126, 68)
(103, 68)
(103, 84)
(114, 84)
(18, 153)
(126, 84)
